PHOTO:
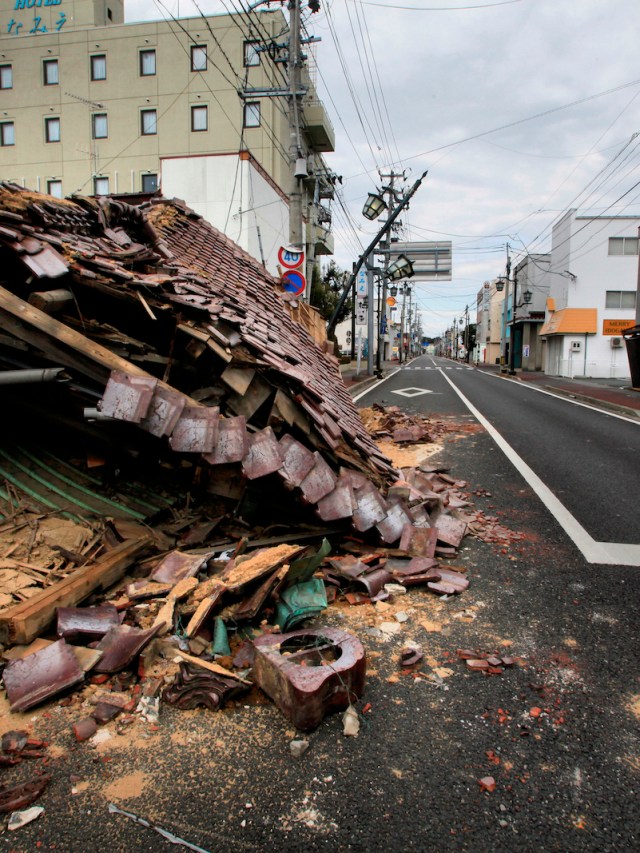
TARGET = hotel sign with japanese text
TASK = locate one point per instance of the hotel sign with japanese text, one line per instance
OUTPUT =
(33, 23)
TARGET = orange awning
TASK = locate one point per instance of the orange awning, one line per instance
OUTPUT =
(571, 321)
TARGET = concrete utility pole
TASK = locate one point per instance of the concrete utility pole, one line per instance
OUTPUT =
(383, 322)
(505, 317)
(295, 145)
(371, 248)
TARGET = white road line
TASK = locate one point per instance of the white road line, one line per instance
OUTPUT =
(629, 419)
(609, 553)
(375, 385)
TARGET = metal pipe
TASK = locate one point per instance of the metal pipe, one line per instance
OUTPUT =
(29, 376)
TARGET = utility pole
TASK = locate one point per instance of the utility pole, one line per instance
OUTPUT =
(385, 245)
(512, 335)
(505, 315)
(295, 145)
(365, 256)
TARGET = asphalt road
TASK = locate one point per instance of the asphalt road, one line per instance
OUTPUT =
(558, 731)
(588, 458)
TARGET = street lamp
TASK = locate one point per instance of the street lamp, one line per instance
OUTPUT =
(400, 268)
(374, 206)
(527, 296)
(500, 285)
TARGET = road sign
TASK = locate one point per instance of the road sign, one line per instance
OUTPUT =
(391, 301)
(293, 282)
(290, 257)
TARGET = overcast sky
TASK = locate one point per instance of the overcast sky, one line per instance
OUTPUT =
(518, 109)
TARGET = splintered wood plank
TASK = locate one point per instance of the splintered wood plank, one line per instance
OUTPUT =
(249, 402)
(212, 667)
(23, 622)
(257, 565)
(238, 378)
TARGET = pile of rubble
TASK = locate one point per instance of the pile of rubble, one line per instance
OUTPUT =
(188, 482)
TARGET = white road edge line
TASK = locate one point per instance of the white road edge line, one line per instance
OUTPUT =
(627, 418)
(375, 385)
(606, 553)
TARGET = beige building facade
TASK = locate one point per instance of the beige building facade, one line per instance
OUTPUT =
(92, 105)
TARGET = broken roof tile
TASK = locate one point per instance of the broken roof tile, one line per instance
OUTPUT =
(232, 444)
(41, 675)
(196, 430)
(127, 398)
(319, 481)
(297, 461)
(264, 455)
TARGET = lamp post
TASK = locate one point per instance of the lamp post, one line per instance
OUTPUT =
(400, 205)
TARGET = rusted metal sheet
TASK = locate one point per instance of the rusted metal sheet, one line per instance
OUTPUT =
(264, 455)
(164, 411)
(297, 461)
(289, 668)
(127, 398)
(319, 481)
(41, 675)
(232, 444)
(196, 430)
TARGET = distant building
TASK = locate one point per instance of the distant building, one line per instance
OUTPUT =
(593, 274)
(92, 105)
(489, 310)
(532, 282)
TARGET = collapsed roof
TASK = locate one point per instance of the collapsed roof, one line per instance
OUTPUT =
(159, 320)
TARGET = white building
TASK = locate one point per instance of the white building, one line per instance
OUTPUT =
(593, 275)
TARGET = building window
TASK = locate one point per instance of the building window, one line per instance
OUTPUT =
(149, 183)
(99, 67)
(101, 186)
(6, 76)
(252, 114)
(148, 122)
(52, 129)
(147, 63)
(199, 118)
(7, 134)
(251, 55)
(198, 57)
(54, 188)
(623, 245)
(99, 126)
(621, 299)
(50, 72)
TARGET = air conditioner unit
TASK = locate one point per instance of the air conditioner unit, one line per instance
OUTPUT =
(616, 343)
(576, 346)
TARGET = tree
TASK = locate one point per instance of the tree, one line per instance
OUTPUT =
(326, 290)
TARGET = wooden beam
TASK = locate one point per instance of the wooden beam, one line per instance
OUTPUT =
(23, 622)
